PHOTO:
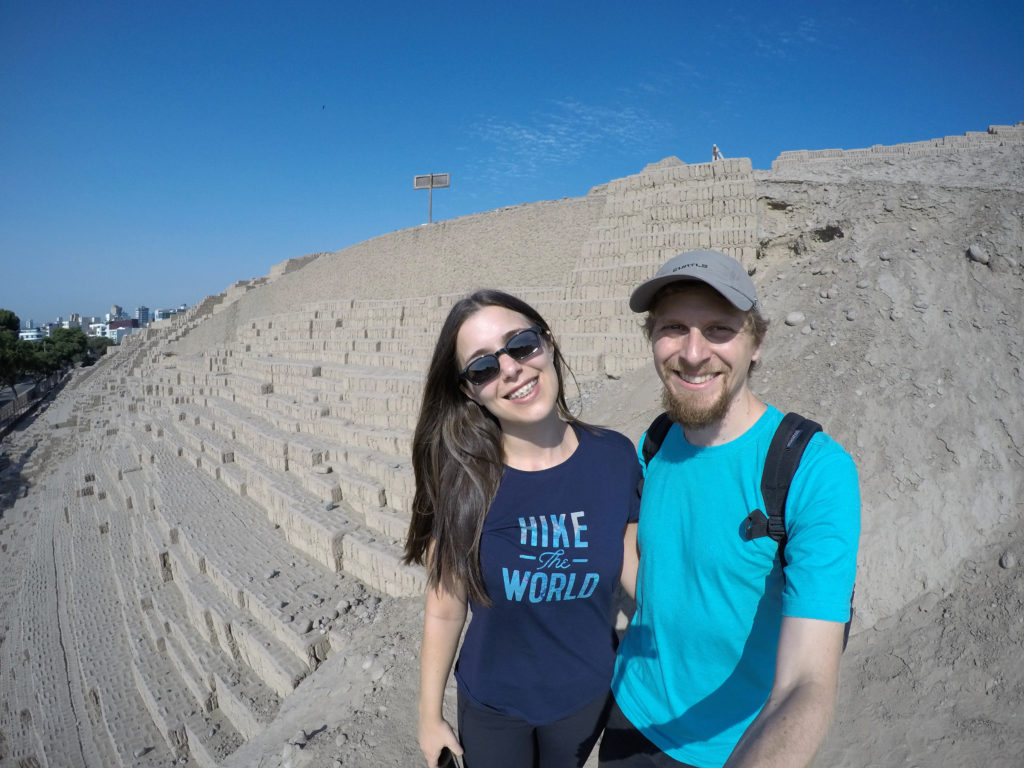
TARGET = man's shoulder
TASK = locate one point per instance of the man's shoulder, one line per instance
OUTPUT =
(827, 471)
(821, 444)
(824, 447)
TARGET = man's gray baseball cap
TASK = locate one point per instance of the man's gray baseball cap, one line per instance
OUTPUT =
(721, 272)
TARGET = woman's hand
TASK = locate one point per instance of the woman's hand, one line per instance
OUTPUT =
(434, 736)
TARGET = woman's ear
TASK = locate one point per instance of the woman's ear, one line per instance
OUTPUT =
(468, 392)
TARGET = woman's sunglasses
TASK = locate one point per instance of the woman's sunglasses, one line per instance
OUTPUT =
(520, 347)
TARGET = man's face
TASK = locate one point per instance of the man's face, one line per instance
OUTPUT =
(703, 351)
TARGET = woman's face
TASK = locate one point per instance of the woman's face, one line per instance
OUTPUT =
(524, 391)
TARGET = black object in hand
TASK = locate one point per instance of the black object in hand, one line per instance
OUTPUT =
(447, 759)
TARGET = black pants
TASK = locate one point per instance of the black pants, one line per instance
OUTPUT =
(623, 746)
(491, 739)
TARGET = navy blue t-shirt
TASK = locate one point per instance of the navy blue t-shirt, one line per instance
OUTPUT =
(551, 554)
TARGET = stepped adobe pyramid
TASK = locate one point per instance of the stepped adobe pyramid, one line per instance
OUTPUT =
(235, 484)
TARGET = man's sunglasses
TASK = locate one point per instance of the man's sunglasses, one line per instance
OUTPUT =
(522, 346)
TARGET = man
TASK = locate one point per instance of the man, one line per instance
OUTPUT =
(731, 658)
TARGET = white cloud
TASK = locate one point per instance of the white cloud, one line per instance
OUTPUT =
(559, 136)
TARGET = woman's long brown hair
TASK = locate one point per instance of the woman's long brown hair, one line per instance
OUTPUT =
(457, 457)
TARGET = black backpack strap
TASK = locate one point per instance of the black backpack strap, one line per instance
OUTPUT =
(784, 454)
(653, 439)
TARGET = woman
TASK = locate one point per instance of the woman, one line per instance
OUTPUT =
(527, 516)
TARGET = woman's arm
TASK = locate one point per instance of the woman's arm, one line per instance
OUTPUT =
(630, 560)
(443, 620)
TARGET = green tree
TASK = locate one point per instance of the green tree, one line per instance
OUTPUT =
(72, 344)
(15, 355)
(98, 345)
(9, 321)
(60, 349)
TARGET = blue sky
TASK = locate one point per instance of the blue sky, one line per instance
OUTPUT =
(154, 152)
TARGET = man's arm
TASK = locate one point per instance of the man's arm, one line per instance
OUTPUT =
(792, 725)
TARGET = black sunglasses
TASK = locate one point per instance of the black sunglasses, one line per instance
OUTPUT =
(520, 347)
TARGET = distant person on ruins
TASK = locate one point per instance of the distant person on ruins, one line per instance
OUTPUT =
(732, 656)
(528, 517)
(715, 153)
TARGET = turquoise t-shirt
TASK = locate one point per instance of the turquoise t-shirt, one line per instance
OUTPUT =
(697, 663)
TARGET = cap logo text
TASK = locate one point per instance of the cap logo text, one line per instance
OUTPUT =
(691, 264)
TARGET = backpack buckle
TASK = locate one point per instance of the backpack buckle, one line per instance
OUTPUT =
(755, 525)
(776, 528)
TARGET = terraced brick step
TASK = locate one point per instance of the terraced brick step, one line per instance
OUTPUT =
(241, 553)
(209, 675)
(104, 669)
(378, 562)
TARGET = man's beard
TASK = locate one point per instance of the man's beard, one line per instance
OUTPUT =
(691, 415)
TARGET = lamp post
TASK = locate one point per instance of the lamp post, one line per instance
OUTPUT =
(431, 181)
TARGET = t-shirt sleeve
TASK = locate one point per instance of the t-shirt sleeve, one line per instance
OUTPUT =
(634, 503)
(631, 459)
(823, 527)
(640, 455)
